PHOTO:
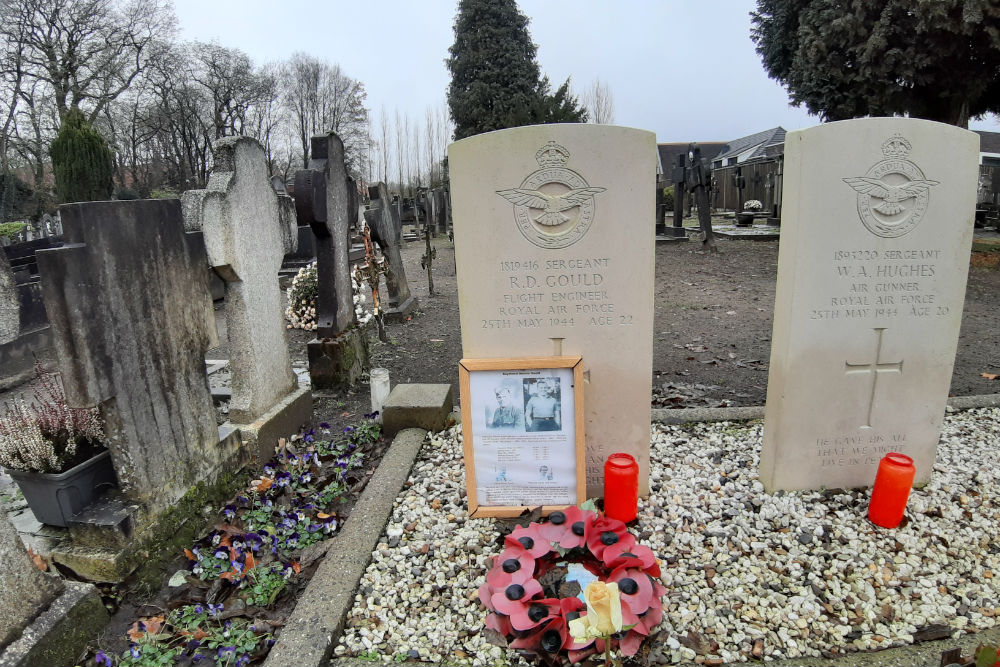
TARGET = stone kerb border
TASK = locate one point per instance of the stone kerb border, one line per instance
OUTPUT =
(317, 622)
(686, 415)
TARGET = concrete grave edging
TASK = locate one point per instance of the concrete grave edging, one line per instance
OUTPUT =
(317, 622)
(687, 415)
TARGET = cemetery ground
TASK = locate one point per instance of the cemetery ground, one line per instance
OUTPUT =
(749, 576)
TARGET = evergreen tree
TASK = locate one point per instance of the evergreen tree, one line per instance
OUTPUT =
(495, 79)
(934, 59)
(81, 161)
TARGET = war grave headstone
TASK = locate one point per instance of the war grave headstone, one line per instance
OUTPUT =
(872, 267)
(339, 354)
(43, 620)
(554, 254)
(389, 237)
(248, 227)
(128, 302)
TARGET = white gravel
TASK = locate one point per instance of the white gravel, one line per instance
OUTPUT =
(794, 574)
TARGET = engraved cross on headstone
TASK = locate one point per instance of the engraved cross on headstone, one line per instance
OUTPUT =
(323, 201)
(874, 368)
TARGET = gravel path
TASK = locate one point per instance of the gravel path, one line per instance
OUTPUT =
(780, 576)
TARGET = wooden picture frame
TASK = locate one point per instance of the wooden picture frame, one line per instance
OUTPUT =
(517, 413)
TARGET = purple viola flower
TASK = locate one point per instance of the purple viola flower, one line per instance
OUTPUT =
(229, 511)
(216, 537)
(309, 438)
(292, 541)
(305, 479)
(198, 609)
(254, 541)
(221, 553)
(313, 527)
(371, 415)
(243, 660)
(329, 525)
(134, 651)
(283, 478)
(215, 609)
(225, 652)
(324, 424)
(193, 645)
(242, 500)
(269, 471)
(102, 659)
(197, 657)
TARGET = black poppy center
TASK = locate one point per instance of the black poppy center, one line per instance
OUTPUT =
(537, 612)
(578, 529)
(629, 554)
(558, 518)
(514, 592)
(608, 538)
(572, 616)
(511, 565)
(551, 641)
(628, 586)
(526, 542)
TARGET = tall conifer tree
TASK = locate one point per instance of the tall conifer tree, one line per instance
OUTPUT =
(495, 79)
(81, 161)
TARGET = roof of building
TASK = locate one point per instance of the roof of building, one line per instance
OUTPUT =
(752, 146)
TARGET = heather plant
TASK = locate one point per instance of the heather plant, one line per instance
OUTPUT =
(47, 435)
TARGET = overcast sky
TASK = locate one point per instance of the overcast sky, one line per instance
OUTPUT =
(685, 69)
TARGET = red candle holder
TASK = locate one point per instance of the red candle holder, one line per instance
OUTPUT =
(892, 489)
(621, 487)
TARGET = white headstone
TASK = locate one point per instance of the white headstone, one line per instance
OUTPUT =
(876, 232)
(248, 229)
(554, 251)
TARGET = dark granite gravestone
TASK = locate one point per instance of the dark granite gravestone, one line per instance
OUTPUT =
(324, 201)
(699, 179)
(131, 316)
(388, 235)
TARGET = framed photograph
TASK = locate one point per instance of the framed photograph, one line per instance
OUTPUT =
(523, 434)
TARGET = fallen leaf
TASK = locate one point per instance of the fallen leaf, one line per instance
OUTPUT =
(38, 560)
(990, 376)
(262, 484)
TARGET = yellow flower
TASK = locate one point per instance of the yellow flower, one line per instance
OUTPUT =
(604, 613)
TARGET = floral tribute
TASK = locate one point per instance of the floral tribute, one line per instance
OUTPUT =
(533, 596)
(752, 205)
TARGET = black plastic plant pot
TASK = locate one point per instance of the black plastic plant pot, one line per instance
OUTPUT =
(55, 497)
(744, 219)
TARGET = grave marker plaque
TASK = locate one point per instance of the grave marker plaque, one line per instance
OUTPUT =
(554, 251)
(875, 242)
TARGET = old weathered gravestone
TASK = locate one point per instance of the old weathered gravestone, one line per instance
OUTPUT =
(875, 242)
(248, 228)
(24, 589)
(127, 297)
(389, 237)
(43, 620)
(10, 308)
(554, 251)
(323, 200)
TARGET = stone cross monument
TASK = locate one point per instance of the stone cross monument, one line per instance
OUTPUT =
(388, 235)
(323, 200)
(248, 228)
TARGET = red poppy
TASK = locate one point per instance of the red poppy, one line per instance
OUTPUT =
(536, 613)
(604, 532)
(552, 636)
(530, 538)
(499, 622)
(629, 645)
(512, 566)
(567, 527)
(636, 589)
(637, 555)
(650, 620)
(515, 597)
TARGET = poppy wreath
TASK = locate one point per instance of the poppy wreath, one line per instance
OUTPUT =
(522, 589)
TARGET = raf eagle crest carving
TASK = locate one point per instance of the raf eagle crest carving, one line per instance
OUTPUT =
(885, 192)
(554, 207)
